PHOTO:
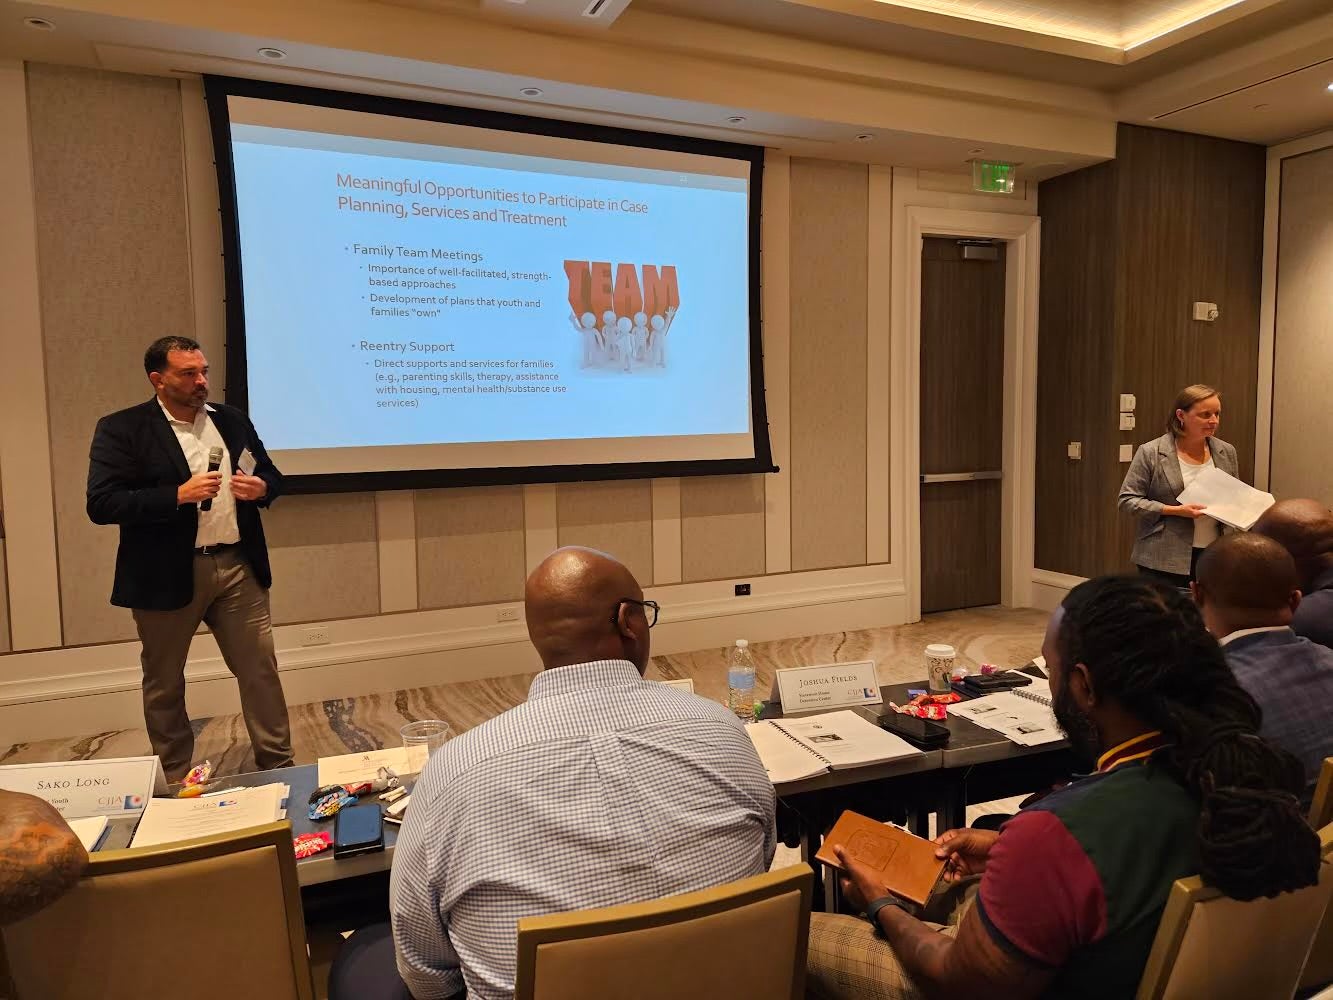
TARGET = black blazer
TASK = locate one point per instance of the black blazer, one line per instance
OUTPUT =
(134, 467)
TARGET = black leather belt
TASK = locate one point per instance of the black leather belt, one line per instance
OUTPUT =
(208, 550)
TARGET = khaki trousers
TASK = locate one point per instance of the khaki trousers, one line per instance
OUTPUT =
(235, 607)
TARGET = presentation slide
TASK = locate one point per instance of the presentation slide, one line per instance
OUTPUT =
(422, 295)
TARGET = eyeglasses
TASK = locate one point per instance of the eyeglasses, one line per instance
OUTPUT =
(647, 606)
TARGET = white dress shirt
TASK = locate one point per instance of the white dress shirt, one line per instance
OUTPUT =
(602, 788)
(217, 526)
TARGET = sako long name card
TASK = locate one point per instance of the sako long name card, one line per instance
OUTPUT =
(116, 787)
(829, 685)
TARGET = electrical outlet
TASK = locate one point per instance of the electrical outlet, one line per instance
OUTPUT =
(506, 615)
(742, 590)
(1126, 421)
(315, 635)
(1074, 449)
(1126, 453)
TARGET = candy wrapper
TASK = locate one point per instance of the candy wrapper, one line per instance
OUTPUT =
(308, 844)
(925, 705)
(196, 780)
(326, 801)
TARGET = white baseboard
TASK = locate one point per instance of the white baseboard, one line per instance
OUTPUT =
(56, 693)
(1049, 588)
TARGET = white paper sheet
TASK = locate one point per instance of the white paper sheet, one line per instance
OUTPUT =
(845, 739)
(1227, 498)
(168, 820)
(783, 759)
(351, 767)
(89, 830)
(1025, 721)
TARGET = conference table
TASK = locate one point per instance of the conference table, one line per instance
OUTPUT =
(976, 765)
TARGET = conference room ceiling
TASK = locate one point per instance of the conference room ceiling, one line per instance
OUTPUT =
(1254, 70)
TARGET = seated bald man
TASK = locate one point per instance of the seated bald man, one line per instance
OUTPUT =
(1305, 529)
(602, 788)
(1247, 587)
(40, 857)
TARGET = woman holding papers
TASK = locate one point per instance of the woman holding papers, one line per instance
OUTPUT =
(1171, 534)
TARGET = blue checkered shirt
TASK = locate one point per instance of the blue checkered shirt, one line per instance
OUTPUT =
(602, 788)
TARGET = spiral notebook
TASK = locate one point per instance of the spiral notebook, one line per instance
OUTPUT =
(1024, 715)
(791, 749)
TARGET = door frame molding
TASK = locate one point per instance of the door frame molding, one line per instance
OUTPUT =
(1022, 234)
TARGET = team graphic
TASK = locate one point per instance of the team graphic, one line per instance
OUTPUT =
(623, 313)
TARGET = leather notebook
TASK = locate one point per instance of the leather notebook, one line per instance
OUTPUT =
(906, 862)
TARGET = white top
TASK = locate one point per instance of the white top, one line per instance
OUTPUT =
(217, 526)
(1205, 528)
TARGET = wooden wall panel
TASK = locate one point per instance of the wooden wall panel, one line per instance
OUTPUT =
(469, 546)
(613, 517)
(1127, 247)
(1076, 347)
(721, 527)
(114, 272)
(829, 239)
(325, 557)
(4, 602)
(1303, 356)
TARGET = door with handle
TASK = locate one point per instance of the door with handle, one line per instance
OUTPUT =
(962, 416)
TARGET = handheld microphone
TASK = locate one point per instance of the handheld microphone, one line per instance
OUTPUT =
(214, 463)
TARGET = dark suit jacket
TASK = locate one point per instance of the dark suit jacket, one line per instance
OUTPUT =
(134, 467)
(1314, 617)
(1292, 680)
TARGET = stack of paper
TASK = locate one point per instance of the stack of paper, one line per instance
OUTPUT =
(169, 820)
(1228, 499)
(791, 749)
(1024, 716)
(89, 831)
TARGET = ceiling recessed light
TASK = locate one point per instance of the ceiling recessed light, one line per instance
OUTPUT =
(1261, 107)
(975, 152)
(39, 24)
(736, 119)
(269, 52)
(865, 137)
(1330, 86)
(531, 91)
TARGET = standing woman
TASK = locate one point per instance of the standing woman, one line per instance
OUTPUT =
(1171, 535)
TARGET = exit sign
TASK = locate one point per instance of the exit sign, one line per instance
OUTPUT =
(992, 176)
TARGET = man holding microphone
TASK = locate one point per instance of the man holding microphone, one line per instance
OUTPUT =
(185, 479)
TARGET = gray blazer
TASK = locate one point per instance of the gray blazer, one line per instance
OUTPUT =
(1153, 482)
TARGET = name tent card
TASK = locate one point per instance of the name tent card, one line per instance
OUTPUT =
(828, 685)
(114, 788)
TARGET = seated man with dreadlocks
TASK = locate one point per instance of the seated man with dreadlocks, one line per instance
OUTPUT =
(1073, 887)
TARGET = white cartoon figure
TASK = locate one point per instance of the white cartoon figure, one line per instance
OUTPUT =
(609, 341)
(625, 341)
(640, 336)
(657, 339)
(592, 347)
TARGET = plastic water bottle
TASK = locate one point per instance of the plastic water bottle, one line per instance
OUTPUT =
(740, 681)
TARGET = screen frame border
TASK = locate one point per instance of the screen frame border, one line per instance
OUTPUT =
(236, 391)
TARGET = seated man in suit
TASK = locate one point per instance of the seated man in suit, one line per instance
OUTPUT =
(40, 858)
(1247, 590)
(602, 788)
(1073, 887)
(1305, 529)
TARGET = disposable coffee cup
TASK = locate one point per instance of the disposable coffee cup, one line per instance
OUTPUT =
(939, 665)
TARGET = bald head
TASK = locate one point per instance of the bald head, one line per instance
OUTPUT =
(1305, 529)
(1246, 581)
(575, 608)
